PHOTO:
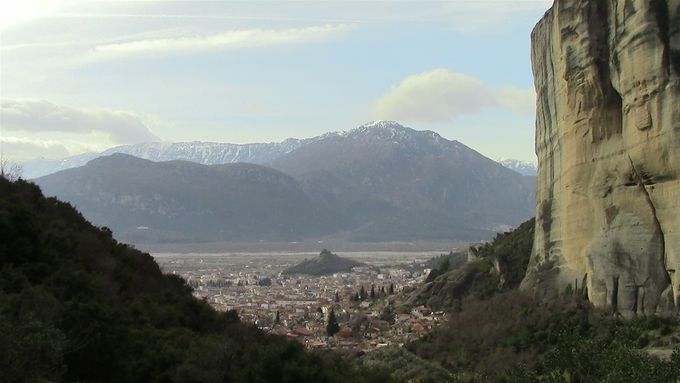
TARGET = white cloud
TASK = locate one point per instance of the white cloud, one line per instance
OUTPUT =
(34, 116)
(440, 95)
(227, 40)
(16, 12)
(434, 96)
(23, 148)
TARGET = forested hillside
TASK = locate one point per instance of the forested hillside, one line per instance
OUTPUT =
(76, 305)
(496, 332)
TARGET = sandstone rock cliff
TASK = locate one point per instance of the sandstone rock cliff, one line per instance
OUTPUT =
(608, 145)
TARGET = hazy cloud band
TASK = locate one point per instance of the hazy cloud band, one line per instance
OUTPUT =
(227, 40)
(43, 116)
(440, 95)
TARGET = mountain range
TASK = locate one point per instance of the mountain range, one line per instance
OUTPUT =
(208, 153)
(525, 168)
(379, 182)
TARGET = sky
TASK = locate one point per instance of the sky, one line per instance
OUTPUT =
(79, 76)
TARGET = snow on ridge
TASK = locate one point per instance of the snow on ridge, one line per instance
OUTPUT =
(212, 153)
(526, 168)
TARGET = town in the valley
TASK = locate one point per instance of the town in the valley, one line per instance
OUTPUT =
(361, 302)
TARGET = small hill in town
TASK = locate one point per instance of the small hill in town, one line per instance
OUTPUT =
(325, 264)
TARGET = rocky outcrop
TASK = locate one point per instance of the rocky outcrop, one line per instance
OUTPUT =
(607, 77)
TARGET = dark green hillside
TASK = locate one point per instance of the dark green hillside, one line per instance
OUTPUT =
(326, 263)
(497, 266)
(496, 333)
(76, 305)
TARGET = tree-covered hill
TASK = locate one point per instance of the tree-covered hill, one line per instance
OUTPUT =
(76, 305)
(325, 264)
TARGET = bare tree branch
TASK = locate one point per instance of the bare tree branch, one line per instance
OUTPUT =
(10, 170)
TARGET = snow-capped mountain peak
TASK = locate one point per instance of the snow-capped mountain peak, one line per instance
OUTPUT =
(525, 168)
(211, 153)
(382, 124)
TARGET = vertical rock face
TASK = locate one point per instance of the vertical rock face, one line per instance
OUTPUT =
(607, 77)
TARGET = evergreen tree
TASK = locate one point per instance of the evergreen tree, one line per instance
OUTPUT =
(362, 293)
(332, 327)
(387, 314)
(391, 288)
(277, 318)
(337, 297)
(444, 266)
(372, 291)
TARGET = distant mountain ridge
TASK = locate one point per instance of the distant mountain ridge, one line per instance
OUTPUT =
(213, 153)
(376, 183)
(181, 201)
(398, 183)
(524, 168)
(206, 153)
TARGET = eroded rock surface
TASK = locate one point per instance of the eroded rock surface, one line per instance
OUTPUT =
(608, 145)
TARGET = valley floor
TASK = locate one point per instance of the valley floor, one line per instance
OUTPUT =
(252, 284)
(311, 246)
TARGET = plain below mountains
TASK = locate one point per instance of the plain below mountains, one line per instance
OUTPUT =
(379, 182)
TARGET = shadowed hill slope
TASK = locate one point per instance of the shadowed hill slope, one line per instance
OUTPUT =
(180, 201)
(397, 183)
(76, 305)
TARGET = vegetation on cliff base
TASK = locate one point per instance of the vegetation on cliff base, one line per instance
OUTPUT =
(76, 305)
(512, 338)
(494, 332)
(495, 267)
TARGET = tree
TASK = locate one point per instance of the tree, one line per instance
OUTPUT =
(332, 327)
(387, 314)
(277, 318)
(444, 266)
(362, 293)
(9, 169)
(372, 291)
(391, 291)
(337, 297)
